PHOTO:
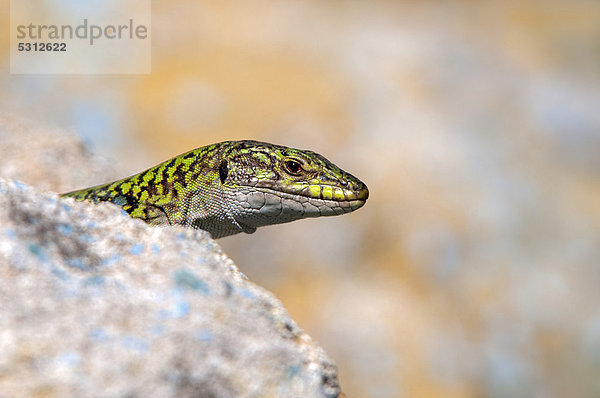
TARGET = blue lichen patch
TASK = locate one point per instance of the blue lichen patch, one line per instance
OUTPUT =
(65, 229)
(136, 249)
(135, 343)
(204, 335)
(293, 370)
(86, 238)
(158, 330)
(37, 250)
(78, 263)
(110, 260)
(186, 279)
(9, 232)
(19, 185)
(69, 359)
(61, 274)
(246, 293)
(179, 308)
(99, 335)
(95, 280)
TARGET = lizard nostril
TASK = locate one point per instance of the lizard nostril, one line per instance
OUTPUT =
(363, 192)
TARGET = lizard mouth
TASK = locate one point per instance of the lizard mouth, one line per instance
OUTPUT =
(357, 193)
(349, 192)
(274, 202)
(294, 204)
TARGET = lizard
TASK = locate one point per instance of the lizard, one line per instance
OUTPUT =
(233, 187)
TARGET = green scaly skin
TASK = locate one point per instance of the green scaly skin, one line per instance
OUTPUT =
(233, 187)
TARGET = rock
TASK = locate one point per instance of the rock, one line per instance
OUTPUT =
(94, 303)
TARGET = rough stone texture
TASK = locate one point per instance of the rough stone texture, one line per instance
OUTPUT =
(94, 303)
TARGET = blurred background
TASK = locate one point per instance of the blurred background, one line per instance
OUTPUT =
(474, 268)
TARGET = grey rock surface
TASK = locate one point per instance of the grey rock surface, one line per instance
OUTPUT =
(96, 304)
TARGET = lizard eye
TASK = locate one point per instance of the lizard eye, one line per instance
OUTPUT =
(293, 167)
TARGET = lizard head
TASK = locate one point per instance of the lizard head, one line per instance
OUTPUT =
(270, 184)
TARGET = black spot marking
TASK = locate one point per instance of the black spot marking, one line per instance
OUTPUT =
(190, 155)
(243, 145)
(165, 175)
(168, 188)
(195, 177)
(171, 163)
(179, 175)
(223, 171)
